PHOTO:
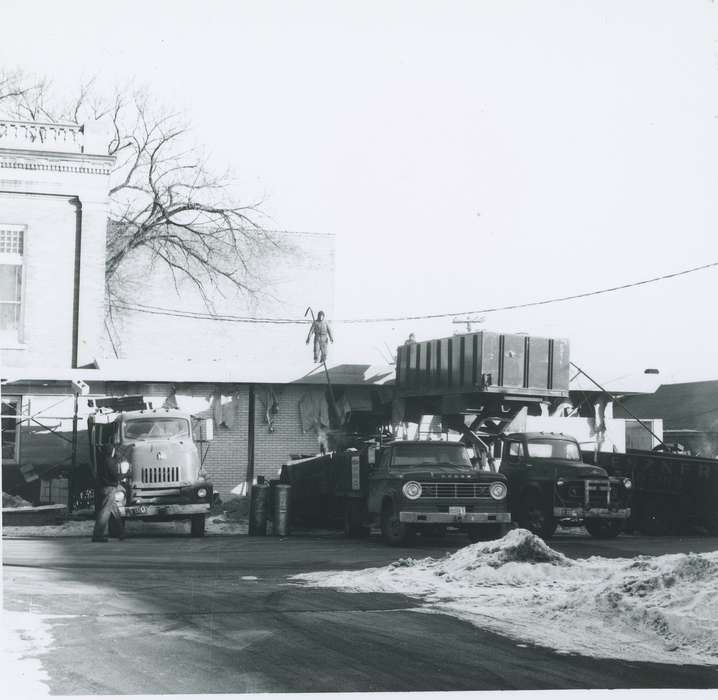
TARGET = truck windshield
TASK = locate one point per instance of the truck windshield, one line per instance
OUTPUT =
(430, 453)
(161, 428)
(556, 449)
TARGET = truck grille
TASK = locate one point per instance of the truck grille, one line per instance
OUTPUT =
(160, 475)
(448, 490)
(598, 493)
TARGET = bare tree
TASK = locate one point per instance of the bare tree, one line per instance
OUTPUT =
(165, 201)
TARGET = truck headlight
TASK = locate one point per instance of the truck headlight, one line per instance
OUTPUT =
(412, 490)
(124, 466)
(560, 482)
(627, 484)
(201, 493)
(498, 490)
(119, 497)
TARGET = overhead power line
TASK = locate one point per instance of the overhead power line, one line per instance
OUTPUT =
(162, 311)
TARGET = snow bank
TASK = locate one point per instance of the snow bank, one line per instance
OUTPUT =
(83, 528)
(662, 609)
(25, 637)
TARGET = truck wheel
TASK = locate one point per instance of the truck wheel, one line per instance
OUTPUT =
(485, 533)
(197, 526)
(394, 532)
(603, 529)
(536, 517)
(353, 520)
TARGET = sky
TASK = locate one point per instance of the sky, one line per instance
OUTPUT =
(466, 155)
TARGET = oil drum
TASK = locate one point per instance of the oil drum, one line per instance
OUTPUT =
(282, 495)
(259, 509)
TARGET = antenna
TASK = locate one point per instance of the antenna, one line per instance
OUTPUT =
(468, 320)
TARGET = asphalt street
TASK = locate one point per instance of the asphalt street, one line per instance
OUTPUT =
(170, 614)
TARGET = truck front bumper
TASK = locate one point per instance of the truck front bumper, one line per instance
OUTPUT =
(453, 518)
(583, 513)
(169, 509)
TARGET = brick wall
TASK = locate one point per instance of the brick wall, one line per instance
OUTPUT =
(226, 460)
(273, 449)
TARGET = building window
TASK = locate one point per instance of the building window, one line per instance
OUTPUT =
(11, 411)
(12, 244)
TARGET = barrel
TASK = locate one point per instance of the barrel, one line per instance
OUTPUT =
(282, 494)
(258, 509)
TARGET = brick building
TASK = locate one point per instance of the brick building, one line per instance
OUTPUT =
(53, 214)
(257, 381)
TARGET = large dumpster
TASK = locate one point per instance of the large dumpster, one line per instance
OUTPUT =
(671, 493)
(484, 362)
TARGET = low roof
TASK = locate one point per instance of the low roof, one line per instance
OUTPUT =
(686, 405)
(207, 372)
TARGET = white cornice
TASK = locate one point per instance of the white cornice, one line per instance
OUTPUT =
(80, 163)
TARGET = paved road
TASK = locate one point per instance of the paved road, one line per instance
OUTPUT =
(176, 615)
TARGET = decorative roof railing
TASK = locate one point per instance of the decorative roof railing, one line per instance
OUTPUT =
(42, 136)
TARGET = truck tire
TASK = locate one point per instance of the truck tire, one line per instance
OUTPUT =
(394, 532)
(353, 526)
(603, 529)
(484, 533)
(536, 517)
(197, 526)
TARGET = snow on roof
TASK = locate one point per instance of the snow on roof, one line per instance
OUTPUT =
(254, 371)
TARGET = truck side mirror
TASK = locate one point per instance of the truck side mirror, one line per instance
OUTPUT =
(206, 430)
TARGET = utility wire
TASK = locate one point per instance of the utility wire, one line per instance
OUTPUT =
(162, 311)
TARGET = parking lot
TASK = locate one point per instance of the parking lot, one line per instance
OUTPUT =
(169, 614)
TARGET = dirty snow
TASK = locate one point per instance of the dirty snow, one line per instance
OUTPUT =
(218, 525)
(661, 609)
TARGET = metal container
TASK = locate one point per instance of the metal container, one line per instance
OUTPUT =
(282, 510)
(259, 509)
(484, 362)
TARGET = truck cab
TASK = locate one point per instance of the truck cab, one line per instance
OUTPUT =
(155, 459)
(550, 484)
(428, 486)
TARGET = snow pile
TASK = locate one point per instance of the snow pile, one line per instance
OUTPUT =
(83, 528)
(661, 609)
(10, 501)
(25, 637)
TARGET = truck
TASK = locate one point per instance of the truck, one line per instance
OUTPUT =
(404, 488)
(154, 455)
(549, 483)
(672, 493)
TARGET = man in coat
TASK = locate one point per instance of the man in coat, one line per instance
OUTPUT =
(107, 484)
(322, 335)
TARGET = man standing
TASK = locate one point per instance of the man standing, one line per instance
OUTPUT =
(107, 484)
(322, 334)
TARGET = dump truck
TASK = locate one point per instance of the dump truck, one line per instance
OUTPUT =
(549, 483)
(404, 488)
(156, 458)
